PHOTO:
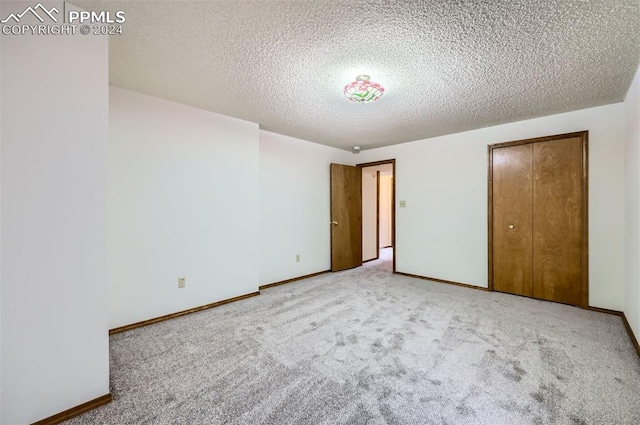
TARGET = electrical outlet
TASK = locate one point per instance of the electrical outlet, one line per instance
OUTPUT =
(403, 204)
(297, 258)
(182, 282)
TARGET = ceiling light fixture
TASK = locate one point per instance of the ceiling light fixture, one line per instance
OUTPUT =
(362, 90)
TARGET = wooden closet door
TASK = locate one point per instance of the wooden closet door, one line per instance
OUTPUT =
(512, 219)
(557, 220)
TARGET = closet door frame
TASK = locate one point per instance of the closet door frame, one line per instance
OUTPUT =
(584, 135)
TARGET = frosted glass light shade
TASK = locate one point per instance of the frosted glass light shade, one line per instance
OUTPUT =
(363, 90)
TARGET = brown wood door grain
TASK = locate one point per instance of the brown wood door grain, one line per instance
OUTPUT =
(512, 220)
(346, 217)
(558, 220)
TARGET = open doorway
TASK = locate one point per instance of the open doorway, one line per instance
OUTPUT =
(378, 212)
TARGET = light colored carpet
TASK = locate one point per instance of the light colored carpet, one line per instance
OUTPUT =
(367, 347)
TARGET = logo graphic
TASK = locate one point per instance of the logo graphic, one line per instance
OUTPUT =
(34, 11)
(53, 22)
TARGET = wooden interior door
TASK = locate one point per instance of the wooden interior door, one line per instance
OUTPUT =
(558, 220)
(346, 217)
(512, 220)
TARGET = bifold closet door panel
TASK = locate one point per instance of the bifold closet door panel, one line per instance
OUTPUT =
(512, 219)
(557, 220)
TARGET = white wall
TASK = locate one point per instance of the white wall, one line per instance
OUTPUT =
(53, 186)
(386, 200)
(1, 385)
(442, 233)
(369, 213)
(632, 296)
(294, 206)
(182, 201)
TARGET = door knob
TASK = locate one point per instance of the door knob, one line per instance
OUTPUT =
(511, 226)
(335, 223)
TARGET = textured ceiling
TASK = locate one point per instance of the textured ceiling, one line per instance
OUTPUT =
(447, 66)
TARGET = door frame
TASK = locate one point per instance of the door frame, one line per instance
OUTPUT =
(377, 219)
(584, 290)
(393, 202)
